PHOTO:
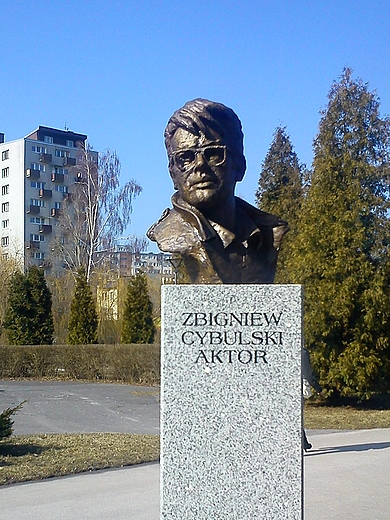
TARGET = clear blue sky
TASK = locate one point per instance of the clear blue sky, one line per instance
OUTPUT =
(116, 70)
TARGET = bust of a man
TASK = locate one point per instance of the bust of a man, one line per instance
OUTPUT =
(221, 238)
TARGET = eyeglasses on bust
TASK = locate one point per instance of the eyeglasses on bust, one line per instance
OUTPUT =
(214, 155)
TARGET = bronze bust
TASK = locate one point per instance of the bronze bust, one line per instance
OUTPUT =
(221, 238)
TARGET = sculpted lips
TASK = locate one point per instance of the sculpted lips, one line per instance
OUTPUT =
(205, 182)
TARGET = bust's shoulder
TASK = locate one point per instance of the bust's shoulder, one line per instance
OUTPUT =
(174, 232)
(169, 217)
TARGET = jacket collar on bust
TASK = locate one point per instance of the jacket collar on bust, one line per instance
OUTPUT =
(250, 221)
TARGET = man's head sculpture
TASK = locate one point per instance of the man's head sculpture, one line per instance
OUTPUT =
(221, 238)
(210, 133)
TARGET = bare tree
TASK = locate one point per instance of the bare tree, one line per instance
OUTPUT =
(95, 211)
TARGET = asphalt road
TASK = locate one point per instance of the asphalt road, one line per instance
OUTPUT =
(73, 407)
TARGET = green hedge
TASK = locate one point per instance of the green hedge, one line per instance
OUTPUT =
(134, 364)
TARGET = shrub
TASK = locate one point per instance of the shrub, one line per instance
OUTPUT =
(132, 364)
(6, 422)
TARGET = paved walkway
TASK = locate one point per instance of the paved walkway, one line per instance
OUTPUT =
(347, 477)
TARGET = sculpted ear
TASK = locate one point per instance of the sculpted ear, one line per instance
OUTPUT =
(174, 181)
(172, 173)
(240, 168)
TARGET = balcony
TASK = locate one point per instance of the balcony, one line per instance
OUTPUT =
(33, 174)
(45, 229)
(57, 177)
(55, 212)
(45, 264)
(45, 158)
(32, 244)
(45, 194)
(33, 210)
(69, 161)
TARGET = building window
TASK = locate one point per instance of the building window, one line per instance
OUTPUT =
(5, 207)
(37, 254)
(37, 220)
(37, 166)
(4, 241)
(61, 188)
(70, 144)
(5, 256)
(58, 169)
(37, 202)
(5, 189)
(57, 205)
(5, 172)
(5, 155)
(37, 238)
(47, 139)
(5, 223)
(39, 149)
(62, 153)
(39, 185)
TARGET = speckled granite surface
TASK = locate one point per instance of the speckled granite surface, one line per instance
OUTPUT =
(231, 402)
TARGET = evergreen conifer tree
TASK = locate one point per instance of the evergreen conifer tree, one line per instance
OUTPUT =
(280, 192)
(6, 421)
(42, 333)
(83, 320)
(28, 319)
(138, 326)
(18, 313)
(342, 252)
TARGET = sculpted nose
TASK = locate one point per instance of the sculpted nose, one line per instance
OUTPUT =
(199, 161)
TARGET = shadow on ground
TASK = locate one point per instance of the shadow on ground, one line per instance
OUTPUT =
(351, 447)
(19, 450)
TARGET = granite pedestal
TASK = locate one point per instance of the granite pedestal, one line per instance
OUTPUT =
(231, 402)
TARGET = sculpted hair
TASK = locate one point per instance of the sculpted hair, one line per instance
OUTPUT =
(215, 121)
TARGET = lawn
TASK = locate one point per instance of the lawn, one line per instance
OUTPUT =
(36, 457)
(318, 417)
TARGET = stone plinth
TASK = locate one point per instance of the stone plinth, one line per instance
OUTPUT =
(231, 402)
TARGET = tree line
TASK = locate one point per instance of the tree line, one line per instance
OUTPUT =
(338, 246)
(28, 317)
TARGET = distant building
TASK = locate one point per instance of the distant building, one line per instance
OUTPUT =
(123, 263)
(36, 173)
(153, 264)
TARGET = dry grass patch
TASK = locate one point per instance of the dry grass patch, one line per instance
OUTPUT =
(36, 457)
(318, 417)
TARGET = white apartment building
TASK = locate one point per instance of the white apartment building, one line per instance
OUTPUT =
(124, 262)
(36, 173)
(153, 264)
